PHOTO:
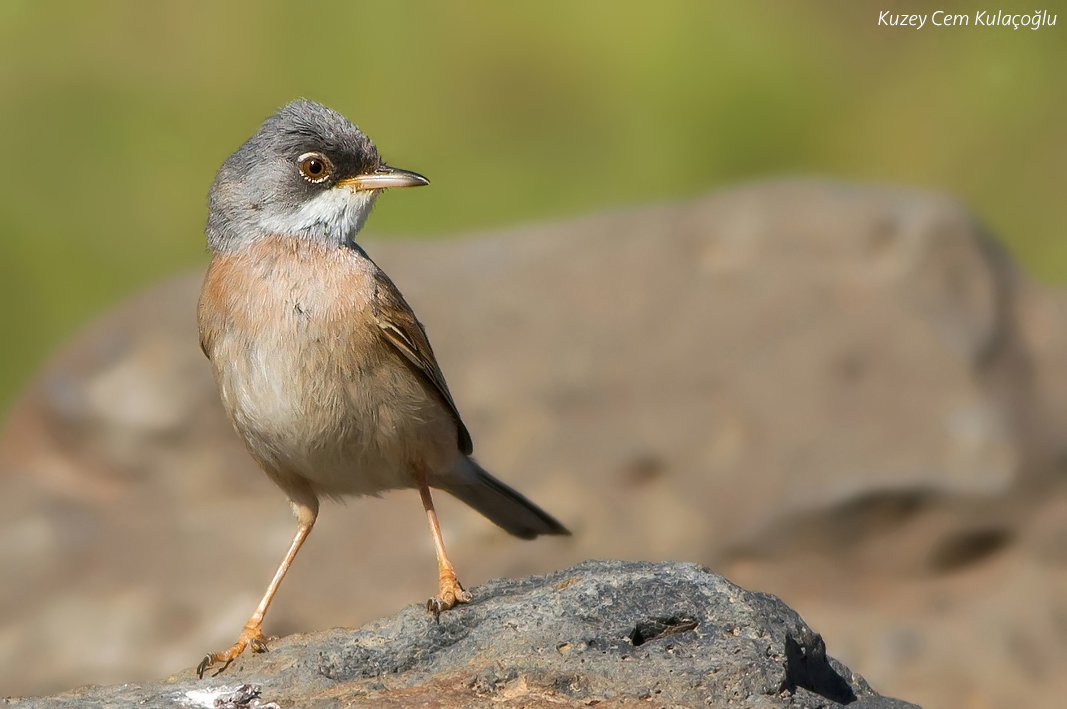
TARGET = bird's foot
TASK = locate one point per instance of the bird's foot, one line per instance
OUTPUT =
(251, 637)
(449, 595)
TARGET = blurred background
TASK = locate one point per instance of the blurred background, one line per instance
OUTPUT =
(129, 509)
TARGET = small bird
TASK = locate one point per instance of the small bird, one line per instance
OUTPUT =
(320, 363)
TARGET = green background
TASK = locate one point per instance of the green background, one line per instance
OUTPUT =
(114, 116)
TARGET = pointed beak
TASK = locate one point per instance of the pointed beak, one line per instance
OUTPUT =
(383, 177)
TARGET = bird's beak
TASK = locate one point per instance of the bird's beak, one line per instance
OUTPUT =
(383, 177)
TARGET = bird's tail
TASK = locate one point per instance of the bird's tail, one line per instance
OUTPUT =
(499, 503)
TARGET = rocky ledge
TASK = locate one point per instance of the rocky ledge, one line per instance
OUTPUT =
(603, 633)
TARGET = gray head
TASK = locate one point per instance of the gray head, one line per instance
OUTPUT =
(308, 172)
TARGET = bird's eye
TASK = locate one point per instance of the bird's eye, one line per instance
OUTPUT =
(315, 167)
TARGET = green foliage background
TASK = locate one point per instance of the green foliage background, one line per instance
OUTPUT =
(114, 116)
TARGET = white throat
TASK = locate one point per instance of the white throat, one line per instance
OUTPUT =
(338, 214)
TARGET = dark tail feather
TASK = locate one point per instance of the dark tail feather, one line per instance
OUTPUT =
(500, 504)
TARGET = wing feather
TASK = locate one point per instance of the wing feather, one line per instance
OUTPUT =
(404, 332)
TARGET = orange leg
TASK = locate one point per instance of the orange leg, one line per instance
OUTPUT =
(252, 635)
(450, 592)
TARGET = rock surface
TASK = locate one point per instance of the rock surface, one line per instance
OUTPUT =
(843, 395)
(598, 634)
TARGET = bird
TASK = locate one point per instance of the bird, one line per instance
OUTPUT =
(321, 365)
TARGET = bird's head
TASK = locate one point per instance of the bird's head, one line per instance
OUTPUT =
(308, 172)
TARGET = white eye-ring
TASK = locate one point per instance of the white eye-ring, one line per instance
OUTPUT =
(315, 167)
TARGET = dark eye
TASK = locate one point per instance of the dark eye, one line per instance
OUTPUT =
(315, 167)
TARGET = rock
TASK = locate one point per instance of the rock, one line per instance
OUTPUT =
(603, 633)
(844, 395)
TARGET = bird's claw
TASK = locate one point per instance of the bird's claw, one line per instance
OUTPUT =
(251, 637)
(211, 659)
(451, 594)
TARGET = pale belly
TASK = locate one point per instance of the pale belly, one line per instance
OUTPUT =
(338, 410)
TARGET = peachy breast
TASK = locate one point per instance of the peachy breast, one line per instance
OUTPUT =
(285, 325)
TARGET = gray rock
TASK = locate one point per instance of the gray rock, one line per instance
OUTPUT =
(602, 632)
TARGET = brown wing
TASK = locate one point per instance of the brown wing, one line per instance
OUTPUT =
(404, 332)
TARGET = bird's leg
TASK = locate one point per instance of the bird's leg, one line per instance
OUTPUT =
(252, 635)
(450, 592)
